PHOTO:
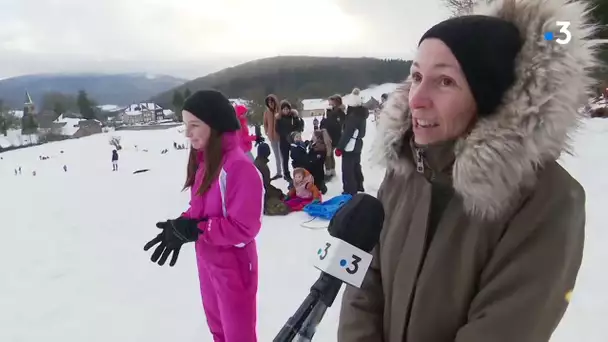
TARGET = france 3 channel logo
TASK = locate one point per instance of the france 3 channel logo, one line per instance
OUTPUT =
(565, 36)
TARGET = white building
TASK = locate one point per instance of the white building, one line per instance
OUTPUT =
(314, 107)
(141, 113)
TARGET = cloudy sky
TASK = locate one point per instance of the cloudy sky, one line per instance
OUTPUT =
(190, 38)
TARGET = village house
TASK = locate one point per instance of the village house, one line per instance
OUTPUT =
(142, 113)
(314, 107)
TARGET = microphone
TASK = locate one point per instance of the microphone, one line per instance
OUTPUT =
(343, 257)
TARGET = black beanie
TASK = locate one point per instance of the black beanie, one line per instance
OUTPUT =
(486, 48)
(263, 150)
(214, 109)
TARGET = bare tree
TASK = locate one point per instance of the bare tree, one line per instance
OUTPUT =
(462, 6)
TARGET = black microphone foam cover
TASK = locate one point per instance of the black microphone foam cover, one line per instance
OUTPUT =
(359, 222)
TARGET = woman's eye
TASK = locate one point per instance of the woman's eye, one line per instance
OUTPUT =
(445, 81)
(416, 77)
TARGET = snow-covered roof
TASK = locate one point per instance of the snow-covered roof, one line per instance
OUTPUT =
(373, 91)
(315, 104)
(138, 108)
(16, 113)
(71, 125)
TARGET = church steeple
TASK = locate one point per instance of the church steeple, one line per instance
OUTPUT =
(28, 106)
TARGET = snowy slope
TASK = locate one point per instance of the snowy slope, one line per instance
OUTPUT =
(74, 269)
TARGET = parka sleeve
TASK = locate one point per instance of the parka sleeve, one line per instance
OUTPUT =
(244, 200)
(524, 289)
(362, 309)
(347, 134)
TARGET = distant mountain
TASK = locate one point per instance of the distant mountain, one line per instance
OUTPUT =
(117, 89)
(295, 78)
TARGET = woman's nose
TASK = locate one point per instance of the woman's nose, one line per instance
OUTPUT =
(419, 97)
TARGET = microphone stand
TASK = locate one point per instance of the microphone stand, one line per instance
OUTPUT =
(306, 318)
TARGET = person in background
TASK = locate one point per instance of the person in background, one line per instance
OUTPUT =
(298, 151)
(350, 145)
(318, 151)
(246, 138)
(303, 191)
(333, 122)
(383, 99)
(287, 122)
(484, 230)
(223, 220)
(273, 197)
(315, 124)
(114, 160)
(271, 114)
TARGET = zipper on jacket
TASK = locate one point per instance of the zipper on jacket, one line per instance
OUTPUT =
(419, 161)
(420, 165)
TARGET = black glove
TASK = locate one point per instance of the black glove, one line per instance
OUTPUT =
(259, 139)
(175, 233)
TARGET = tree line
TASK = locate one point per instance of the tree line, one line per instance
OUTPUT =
(293, 83)
(53, 103)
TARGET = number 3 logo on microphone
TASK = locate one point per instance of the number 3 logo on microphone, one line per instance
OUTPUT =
(354, 264)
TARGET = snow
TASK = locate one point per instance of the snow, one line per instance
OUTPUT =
(74, 269)
(15, 138)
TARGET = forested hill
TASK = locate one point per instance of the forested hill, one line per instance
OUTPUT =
(294, 78)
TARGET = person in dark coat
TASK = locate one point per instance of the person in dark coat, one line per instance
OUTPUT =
(318, 152)
(350, 145)
(287, 123)
(299, 151)
(273, 197)
(333, 122)
(114, 160)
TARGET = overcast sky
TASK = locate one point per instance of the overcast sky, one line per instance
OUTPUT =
(190, 38)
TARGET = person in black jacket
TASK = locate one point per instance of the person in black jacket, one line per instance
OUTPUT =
(287, 122)
(299, 151)
(114, 160)
(350, 145)
(333, 122)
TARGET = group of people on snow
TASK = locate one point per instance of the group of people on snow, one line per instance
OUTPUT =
(340, 133)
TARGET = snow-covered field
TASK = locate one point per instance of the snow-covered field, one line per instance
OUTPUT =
(73, 267)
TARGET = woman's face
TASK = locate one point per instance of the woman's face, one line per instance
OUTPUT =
(440, 99)
(285, 111)
(196, 130)
(271, 104)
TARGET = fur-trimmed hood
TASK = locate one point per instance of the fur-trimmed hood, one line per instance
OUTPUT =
(533, 125)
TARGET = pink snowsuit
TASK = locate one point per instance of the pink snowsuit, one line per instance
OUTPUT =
(246, 139)
(226, 252)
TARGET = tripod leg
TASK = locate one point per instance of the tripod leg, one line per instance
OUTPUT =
(309, 328)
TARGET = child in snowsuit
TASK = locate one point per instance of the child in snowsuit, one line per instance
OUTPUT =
(303, 192)
(273, 197)
(298, 151)
(223, 220)
(114, 160)
(319, 150)
(246, 139)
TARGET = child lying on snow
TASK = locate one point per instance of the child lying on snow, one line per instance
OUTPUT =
(273, 197)
(303, 192)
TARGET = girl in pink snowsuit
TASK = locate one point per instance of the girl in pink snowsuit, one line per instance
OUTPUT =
(223, 219)
(246, 139)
